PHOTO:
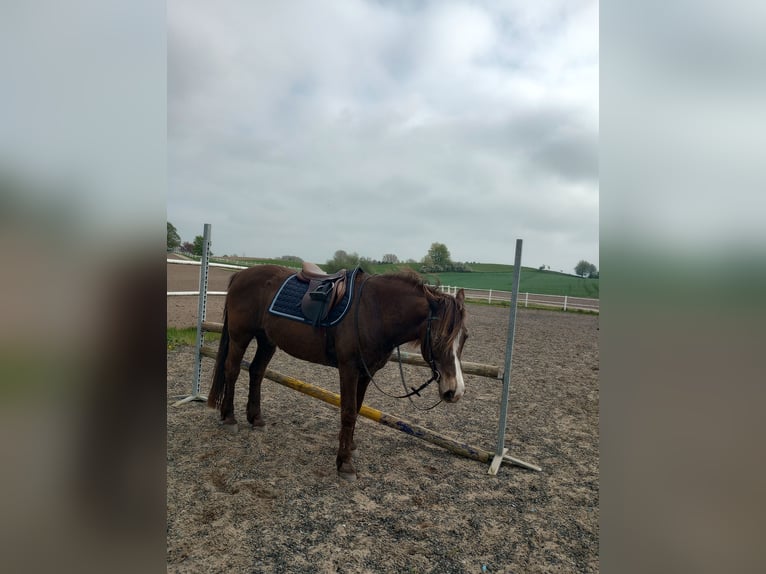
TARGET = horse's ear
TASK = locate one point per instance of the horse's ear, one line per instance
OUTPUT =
(460, 297)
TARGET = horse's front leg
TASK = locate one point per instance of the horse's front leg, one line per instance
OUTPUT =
(361, 389)
(349, 377)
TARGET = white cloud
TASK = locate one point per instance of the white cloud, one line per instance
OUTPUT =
(396, 125)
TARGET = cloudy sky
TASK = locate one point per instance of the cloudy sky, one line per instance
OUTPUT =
(304, 127)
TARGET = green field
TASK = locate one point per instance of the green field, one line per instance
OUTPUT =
(500, 277)
(494, 276)
(532, 281)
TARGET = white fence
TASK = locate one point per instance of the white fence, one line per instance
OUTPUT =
(192, 262)
(564, 302)
(489, 295)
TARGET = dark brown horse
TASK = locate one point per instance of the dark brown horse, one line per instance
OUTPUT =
(386, 311)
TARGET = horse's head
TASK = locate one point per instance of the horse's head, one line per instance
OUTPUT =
(442, 346)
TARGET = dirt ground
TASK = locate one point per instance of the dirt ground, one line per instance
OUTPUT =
(269, 500)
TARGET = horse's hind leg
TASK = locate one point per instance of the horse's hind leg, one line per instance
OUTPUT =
(231, 369)
(257, 369)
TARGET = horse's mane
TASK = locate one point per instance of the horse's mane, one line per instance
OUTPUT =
(450, 313)
(410, 277)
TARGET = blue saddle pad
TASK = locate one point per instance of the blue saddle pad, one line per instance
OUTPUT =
(287, 301)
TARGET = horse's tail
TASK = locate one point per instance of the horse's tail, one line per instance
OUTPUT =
(215, 396)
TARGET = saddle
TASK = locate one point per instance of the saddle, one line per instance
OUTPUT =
(324, 292)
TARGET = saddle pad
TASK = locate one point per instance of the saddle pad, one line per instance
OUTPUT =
(287, 301)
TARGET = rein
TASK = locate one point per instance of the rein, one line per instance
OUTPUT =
(435, 375)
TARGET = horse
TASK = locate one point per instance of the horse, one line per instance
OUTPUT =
(386, 310)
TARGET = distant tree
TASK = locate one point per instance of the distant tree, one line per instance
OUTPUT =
(438, 259)
(187, 247)
(174, 240)
(342, 260)
(541, 268)
(585, 269)
(199, 241)
(439, 255)
(390, 258)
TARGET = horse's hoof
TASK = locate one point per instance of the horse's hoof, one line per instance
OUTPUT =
(347, 476)
(347, 472)
(231, 427)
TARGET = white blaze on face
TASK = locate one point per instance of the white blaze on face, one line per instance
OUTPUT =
(460, 390)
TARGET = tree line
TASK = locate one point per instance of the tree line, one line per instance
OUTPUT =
(174, 242)
(436, 260)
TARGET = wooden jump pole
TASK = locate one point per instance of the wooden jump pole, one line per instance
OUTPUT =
(391, 421)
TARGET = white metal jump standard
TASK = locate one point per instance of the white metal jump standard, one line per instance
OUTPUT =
(501, 453)
(201, 311)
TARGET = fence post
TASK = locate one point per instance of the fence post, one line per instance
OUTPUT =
(565, 302)
(526, 299)
(489, 300)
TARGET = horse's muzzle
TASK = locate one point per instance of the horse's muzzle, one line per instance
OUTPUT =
(450, 397)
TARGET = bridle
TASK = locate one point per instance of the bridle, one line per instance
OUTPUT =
(435, 374)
